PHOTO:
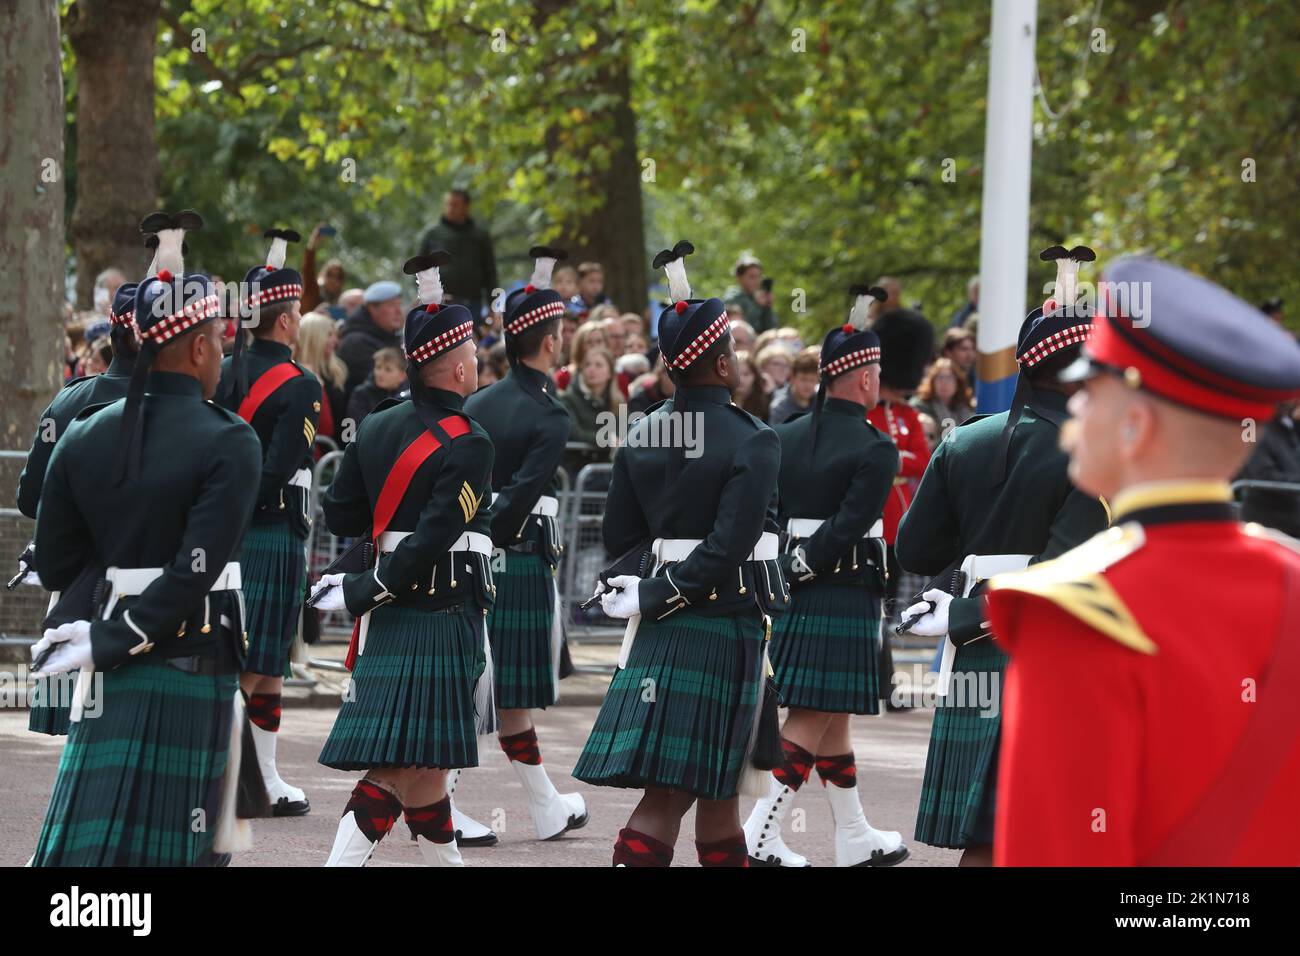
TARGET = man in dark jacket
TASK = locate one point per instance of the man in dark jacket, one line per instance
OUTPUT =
(471, 275)
(372, 327)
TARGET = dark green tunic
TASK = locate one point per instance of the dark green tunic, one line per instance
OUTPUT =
(957, 512)
(78, 394)
(131, 778)
(528, 427)
(273, 555)
(49, 709)
(824, 651)
(681, 712)
(412, 700)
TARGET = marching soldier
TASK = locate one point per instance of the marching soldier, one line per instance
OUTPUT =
(1160, 724)
(528, 428)
(836, 472)
(151, 781)
(996, 496)
(413, 484)
(694, 521)
(281, 400)
(50, 702)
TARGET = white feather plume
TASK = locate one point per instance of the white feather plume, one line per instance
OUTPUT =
(168, 254)
(542, 272)
(861, 311)
(1067, 282)
(678, 286)
(428, 285)
(275, 258)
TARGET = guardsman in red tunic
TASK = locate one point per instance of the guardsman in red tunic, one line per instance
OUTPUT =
(1159, 723)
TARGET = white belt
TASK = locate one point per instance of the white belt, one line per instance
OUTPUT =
(546, 505)
(977, 568)
(468, 541)
(679, 549)
(132, 582)
(302, 478)
(807, 527)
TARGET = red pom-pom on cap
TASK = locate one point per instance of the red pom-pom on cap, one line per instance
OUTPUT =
(164, 275)
(269, 267)
(530, 289)
(1049, 306)
(681, 307)
(431, 307)
(848, 328)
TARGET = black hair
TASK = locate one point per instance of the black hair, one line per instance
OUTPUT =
(462, 193)
(529, 342)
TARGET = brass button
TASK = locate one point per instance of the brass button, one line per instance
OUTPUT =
(415, 587)
(206, 628)
(713, 596)
(742, 589)
(430, 590)
(181, 632)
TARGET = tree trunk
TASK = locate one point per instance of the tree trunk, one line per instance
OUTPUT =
(613, 234)
(31, 225)
(117, 150)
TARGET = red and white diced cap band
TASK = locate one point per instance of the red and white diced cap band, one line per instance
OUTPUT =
(540, 314)
(277, 293)
(441, 342)
(702, 342)
(850, 361)
(173, 325)
(1055, 342)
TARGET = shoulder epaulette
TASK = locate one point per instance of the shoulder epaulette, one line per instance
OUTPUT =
(975, 418)
(1074, 582)
(752, 419)
(654, 407)
(76, 381)
(1256, 530)
(226, 413)
(90, 410)
(391, 402)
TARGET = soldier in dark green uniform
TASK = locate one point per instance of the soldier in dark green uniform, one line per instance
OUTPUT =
(996, 496)
(836, 472)
(528, 427)
(692, 500)
(150, 781)
(281, 400)
(415, 482)
(51, 700)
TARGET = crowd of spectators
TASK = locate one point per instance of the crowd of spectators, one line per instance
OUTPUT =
(350, 339)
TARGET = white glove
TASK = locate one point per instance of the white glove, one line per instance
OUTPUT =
(624, 603)
(600, 588)
(332, 585)
(934, 623)
(31, 577)
(71, 644)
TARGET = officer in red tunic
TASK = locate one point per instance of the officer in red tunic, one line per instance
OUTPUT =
(1160, 723)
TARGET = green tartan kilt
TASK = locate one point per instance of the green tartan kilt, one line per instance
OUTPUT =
(824, 649)
(680, 714)
(139, 783)
(273, 568)
(519, 629)
(50, 704)
(410, 702)
(957, 793)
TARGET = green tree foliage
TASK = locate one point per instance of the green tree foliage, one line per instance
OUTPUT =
(816, 135)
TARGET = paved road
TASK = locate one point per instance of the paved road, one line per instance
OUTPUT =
(890, 750)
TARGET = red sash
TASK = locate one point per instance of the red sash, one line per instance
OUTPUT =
(262, 389)
(390, 496)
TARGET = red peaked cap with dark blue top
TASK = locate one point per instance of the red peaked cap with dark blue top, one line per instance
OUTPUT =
(689, 327)
(431, 327)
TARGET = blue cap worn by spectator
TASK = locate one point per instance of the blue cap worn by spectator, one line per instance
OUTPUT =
(381, 291)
